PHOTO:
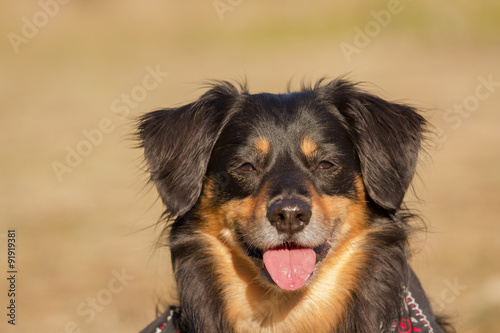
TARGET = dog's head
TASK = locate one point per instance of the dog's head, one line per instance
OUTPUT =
(283, 180)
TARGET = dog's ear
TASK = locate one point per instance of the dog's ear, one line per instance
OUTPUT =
(387, 138)
(178, 143)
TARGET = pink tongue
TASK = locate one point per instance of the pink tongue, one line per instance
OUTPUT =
(290, 268)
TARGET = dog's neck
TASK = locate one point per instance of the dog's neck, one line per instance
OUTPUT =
(418, 318)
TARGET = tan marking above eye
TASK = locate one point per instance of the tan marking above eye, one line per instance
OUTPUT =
(308, 146)
(262, 145)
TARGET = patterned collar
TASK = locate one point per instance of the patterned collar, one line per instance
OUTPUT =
(417, 320)
(419, 316)
(165, 323)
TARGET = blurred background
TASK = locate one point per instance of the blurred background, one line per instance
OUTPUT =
(75, 74)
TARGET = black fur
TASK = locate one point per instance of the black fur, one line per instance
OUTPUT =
(199, 293)
(387, 137)
(178, 143)
(382, 141)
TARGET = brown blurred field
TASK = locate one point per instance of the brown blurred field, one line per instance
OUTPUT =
(75, 234)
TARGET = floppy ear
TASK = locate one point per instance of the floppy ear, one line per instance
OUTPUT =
(387, 138)
(178, 143)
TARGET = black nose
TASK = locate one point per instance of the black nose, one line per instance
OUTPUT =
(289, 215)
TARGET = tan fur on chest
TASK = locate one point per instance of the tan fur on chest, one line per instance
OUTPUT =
(318, 307)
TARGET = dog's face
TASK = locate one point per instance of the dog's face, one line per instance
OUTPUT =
(281, 186)
(284, 176)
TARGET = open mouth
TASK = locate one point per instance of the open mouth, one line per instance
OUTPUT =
(290, 266)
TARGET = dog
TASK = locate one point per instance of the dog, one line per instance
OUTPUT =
(287, 210)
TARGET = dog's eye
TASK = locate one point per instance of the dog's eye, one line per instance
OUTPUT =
(324, 165)
(247, 167)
